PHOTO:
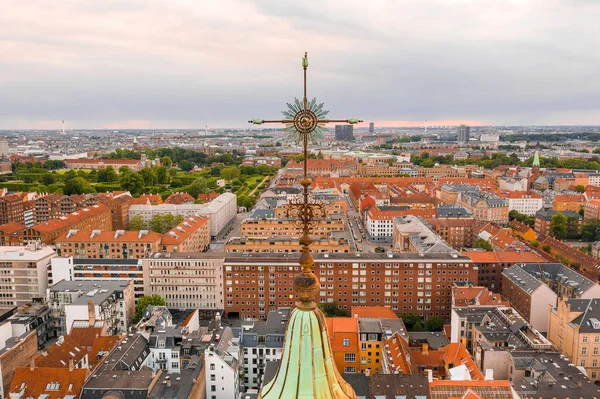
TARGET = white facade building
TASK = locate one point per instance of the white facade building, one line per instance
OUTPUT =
(165, 350)
(594, 179)
(261, 342)
(69, 269)
(219, 211)
(525, 203)
(3, 147)
(221, 364)
(23, 273)
(186, 280)
(511, 183)
(112, 302)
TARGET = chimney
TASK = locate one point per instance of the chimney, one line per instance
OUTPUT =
(368, 372)
(71, 365)
(425, 348)
(32, 364)
(169, 383)
(91, 313)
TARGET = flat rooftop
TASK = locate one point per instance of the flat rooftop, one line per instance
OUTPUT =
(92, 290)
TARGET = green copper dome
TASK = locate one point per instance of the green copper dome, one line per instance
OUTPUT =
(307, 369)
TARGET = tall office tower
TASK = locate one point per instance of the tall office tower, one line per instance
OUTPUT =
(371, 127)
(344, 133)
(3, 147)
(464, 132)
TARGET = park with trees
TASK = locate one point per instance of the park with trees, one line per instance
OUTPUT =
(179, 170)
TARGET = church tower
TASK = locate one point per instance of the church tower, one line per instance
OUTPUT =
(307, 369)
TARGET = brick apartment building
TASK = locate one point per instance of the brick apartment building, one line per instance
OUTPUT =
(257, 283)
(107, 244)
(119, 205)
(191, 235)
(47, 207)
(11, 209)
(491, 265)
(95, 217)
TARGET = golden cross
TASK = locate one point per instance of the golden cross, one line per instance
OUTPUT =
(305, 212)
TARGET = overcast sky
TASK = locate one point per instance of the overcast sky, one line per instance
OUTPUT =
(186, 64)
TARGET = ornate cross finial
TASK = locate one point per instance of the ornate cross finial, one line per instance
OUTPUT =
(303, 121)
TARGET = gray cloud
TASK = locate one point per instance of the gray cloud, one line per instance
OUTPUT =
(176, 63)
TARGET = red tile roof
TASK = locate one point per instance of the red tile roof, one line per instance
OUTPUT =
(374, 312)
(66, 220)
(36, 382)
(12, 227)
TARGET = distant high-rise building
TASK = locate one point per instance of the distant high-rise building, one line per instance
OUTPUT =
(464, 132)
(3, 147)
(344, 133)
(371, 127)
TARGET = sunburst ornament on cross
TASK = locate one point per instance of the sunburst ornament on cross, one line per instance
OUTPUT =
(305, 122)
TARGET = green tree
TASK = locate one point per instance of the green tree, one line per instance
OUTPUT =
(111, 175)
(161, 223)
(572, 227)
(77, 185)
(123, 169)
(590, 230)
(197, 187)
(166, 161)
(185, 165)
(172, 172)
(558, 226)
(483, 244)
(410, 320)
(379, 250)
(580, 188)
(48, 179)
(230, 173)
(137, 223)
(176, 182)
(132, 182)
(418, 327)
(161, 175)
(246, 201)
(146, 301)
(332, 310)
(149, 176)
(434, 323)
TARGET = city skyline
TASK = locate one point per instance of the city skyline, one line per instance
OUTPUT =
(154, 64)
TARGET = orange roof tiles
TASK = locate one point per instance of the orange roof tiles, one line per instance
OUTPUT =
(183, 230)
(341, 324)
(35, 382)
(59, 354)
(143, 199)
(101, 345)
(448, 389)
(108, 236)
(504, 257)
(398, 359)
(476, 296)
(179, 198)
(374, 312)
(66, 220)
(456, 354)
(12, 227)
